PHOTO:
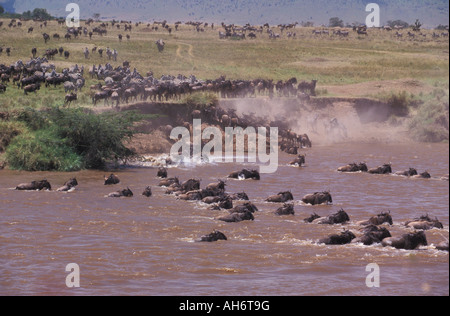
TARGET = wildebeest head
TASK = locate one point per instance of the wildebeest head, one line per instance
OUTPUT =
(127, 192)
(415, 239)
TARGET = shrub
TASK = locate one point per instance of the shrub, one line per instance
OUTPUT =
(9, 130)
(41, 151)
(97, 138)
(431, 123)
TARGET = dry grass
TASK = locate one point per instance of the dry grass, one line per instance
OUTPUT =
(334, 62)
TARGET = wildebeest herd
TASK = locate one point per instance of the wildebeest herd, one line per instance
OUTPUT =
(240, 208)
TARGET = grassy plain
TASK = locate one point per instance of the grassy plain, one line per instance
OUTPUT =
(358, 62)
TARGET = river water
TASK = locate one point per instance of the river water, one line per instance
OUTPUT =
(146, 246)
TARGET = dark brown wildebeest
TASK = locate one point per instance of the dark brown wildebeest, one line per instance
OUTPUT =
(343, 238)
(340, 217)
(160, 44)
(383, 217)
(162, 172)
(2, 88)
(112, 179)
(407, 173)
(286, 209)
(147, 192)
(35, 185)
(318, 198)
(299, 161)
(353, 167)
(408, 241)
(424, 223)
(308, 87)
(372, 234)
(72, 183)
(245, 174)
(281, 197)
(125, 192)
(384, 169)
(101, 95)
(31, 88)
(237, 217)
(70, 97)
(214, 236)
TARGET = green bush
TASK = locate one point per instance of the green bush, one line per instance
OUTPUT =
(9, 130)
(431, 123)
(97, 138)
(42, 150)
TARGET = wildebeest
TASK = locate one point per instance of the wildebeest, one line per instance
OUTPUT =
(443, 246)
(318, 198)
(343, 238)
(125, 192)
(147, 192)
(384, 169)
(383, 217)
(286, 209)
(237, 217)
(168, 182)
(425, 223)
(101, 95)
(372, 234)
(308, 87)
(162, 172)
(423, 175)
(112, 179)
(245, 174)
(407, 173)
(281, 197)
(299, 161)
(72, 183)
(340, 217)
(2, 87)
(35, 185)
(408, 241)
(31, 88)
(160, 44)
(70, 97)
(354, 167)
(214, 236)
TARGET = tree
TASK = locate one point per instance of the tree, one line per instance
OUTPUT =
(336, 22)
(2, 10)
(417, 25)
(40, 14)
(96, 16)
(397, 23)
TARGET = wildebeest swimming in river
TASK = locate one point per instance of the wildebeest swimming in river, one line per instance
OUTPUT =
(407, 173)
(237, 217)
(112, 179)
(339, 217)
(214, 236)
(281, 197)
(72, 183)
(299, 161)
(286, 209)
(408, 241)
(162, 172)
(372, 234)
(317, 198)
(353, 167)
(343, 238)
(35, 185)
(245, 174)
(424, 223)
(383, 217)
(147, 192)
(384, 169)
(125, 192)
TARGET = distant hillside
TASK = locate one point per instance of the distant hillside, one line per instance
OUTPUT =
(430, 13)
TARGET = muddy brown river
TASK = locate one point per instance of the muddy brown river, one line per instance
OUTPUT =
(146, 246)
